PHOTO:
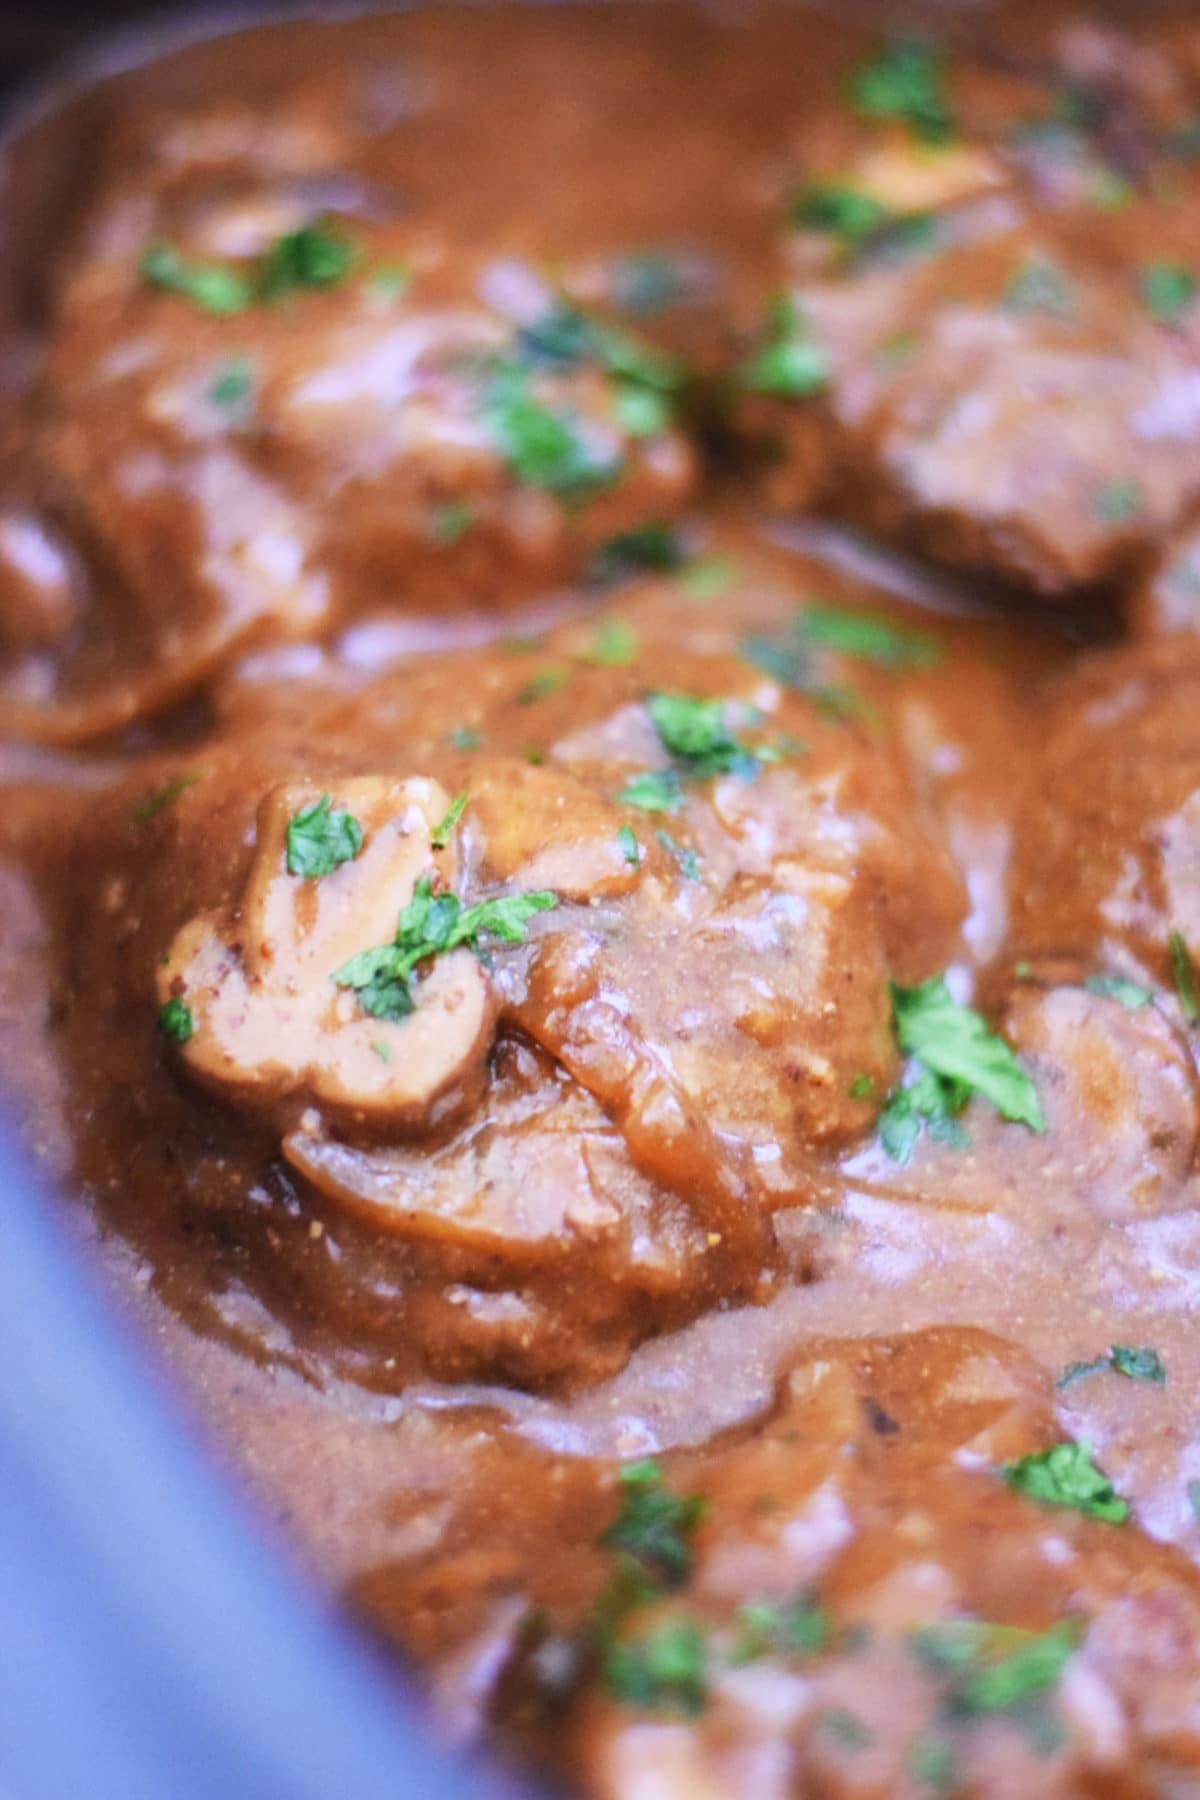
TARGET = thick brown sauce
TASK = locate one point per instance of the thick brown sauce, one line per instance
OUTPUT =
(396, 1450)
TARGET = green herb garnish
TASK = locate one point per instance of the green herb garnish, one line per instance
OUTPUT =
(1128, 994)
(1118, 502)
(695, 733)
(654, 1526)
(799, 1629)
(1039, 287)
(869, 636)
(1142, 1364)
(232, 385)
(315, 256)
(1185, 977)
(1066, 1476)
(630, 848)
(175, 1020)
(441, 834)
(430, 925)
(451, 522)
(995, 1668)
(1168, 289)
(656, 790)
(652, 547)
(320, 840)
(613, 646)
(662, 1670)
(542, 685)
(210, 286)
(956, 1056)
(544, 447)
(162, 797)
(905, 81)
(689, 862)
(787, 362)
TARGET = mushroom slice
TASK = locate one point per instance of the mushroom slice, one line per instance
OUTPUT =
(270, 1027)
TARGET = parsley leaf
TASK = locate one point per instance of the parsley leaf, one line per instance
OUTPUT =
(320, 840)
(956, 1056)
(799, 1629)
(869, 636)
(312, 257)
(1065, 1475)
(656, 790)
(154, 803)
(663, 1670)
(1168, 290)
(1039, 287)
(315, 256)
(430, 925)
(175, 1020)
(1118, 502)
(654, 1526)
(905, 81)
(543, 447)
(444, 831)
(452, 521)
(614, 645)
(652, 547)
(630, 848)
(840, 209)
(995, 1668)
(695, 733)
(787, 362)
(233, 385)
(1115, 987)
(1139, 1364)
(689, 862)
(210, 286)
(542, 685)
(1185, 976)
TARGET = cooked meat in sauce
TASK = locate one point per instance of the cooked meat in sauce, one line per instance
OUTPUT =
(635, 1047)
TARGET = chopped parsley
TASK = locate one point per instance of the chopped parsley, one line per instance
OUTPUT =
(320, 840)
(656, 790)
(154, 803)
(1039, 287)
(788, 362)
(1128, 994)
(1144, 1364)
(210, 286)
(862, 1087)
(613, 646)
(800, 1629)
(869, 636)
(689, 862)
(1065, 1475)
(430, 925)
(543, 446)
(707, 577)
(696, 735)
(650, 281)
(955, 1055)
(1168, 289)
(845, 1727)
(995, 1668)
(465, 737)
(905, 82)
(175, 1020)
(232, 386)
(315, 256)
(662, 1670)
(441, 834)
(630, 848)
(653, 547)
(1184, 975)
(647, 380)
(839, 208)
(451, 522)
(654, 1526)
(1118, 502)
(542, 685)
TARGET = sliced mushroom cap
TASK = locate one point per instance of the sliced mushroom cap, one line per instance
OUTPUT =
(272, 1029)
